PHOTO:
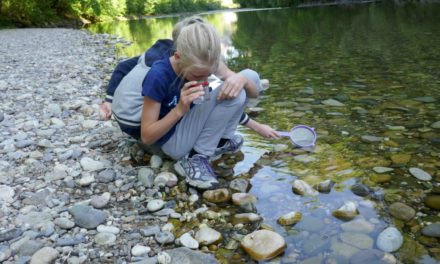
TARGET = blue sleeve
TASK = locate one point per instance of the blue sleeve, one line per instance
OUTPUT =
(122, 69)
(153, 85)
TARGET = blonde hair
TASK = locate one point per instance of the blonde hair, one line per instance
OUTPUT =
(199, 46)
(185, 22)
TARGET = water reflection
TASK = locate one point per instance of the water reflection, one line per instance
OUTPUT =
(367, 79)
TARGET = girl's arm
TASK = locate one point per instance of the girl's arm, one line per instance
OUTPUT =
(153, 128)
(233, 84)
(262, 129)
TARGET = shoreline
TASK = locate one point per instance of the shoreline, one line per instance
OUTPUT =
(69, 189)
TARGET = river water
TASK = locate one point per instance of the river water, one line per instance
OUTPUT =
(367, 78)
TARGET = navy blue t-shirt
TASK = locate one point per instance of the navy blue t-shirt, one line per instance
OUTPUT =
(163, 85)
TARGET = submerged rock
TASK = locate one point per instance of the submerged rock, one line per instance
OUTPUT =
(263, 244)
(420, 174)
(290, 218)
(325, 186)
(433, 201)
(302, 188)
(432, 230)
(402, 211)
(389, 240)
(347, 211)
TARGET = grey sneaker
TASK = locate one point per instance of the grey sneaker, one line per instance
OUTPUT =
(197, 171)
(233, 145)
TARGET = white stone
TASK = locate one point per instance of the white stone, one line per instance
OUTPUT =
(207, 236)
(382, 169)
(188, 241)
(6, 193)
(89, 164)
(155, 161)
(140, 250)
(420, 174)
(108, 229)
(44, 256)
(155, 205)
(90, 123)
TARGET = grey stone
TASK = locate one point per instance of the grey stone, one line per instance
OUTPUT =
(87, 217)
(165, 237)
(432, 230)
(150, 231)
(368, 256)
(146, 177)
(70, 241)
(29, 247)
(5, 253)
(10, 234)
(2, 116)
(45, 255)
(106, 176)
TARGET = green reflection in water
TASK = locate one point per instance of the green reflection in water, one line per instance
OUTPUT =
(382, 63)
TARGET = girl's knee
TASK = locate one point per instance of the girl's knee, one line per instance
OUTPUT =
(251, 75)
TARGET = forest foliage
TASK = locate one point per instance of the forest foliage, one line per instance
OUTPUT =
(49, 12)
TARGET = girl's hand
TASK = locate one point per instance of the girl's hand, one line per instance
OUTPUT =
(232, 87)
(189, 92)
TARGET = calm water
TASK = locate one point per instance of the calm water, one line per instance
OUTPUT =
(382, 64)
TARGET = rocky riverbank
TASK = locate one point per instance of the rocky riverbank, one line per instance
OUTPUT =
(74, 189)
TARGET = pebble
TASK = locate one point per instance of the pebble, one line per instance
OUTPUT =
(188, 241)
(155, 205)
(45, 255)
(108, 229)
(64, 223)
(6, 193)
(87, 217)
(89, 164)
(140, 250)
(100, 201)
(105, 238)
(165, 237)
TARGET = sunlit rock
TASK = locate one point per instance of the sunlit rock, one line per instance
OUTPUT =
(302, 188)
(263, 244)
(245, 201)
(217, 196)
(346, 212)
(207, 236)
(290, 218)
(245, 218)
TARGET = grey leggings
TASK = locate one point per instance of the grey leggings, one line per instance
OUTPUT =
(205, 124)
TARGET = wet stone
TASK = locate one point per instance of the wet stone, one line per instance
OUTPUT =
(207, 236)
(186, 255)
(420, 174)
(105, 238)
(389, 240)
(263, 244)
(361, 190)
(433, 201)
(2, 116)
(146, 177)
(5, 253)
(44, 256)
(402, 211)
(432, 230)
